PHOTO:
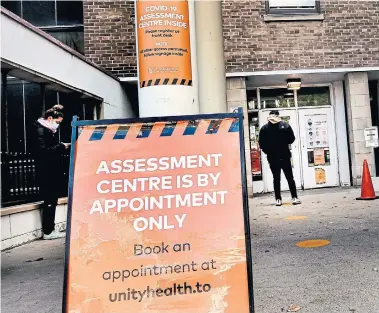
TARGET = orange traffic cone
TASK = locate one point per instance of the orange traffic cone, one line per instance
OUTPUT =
(367, 191)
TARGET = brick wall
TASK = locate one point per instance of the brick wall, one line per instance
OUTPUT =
(109, 38)
(348, 37)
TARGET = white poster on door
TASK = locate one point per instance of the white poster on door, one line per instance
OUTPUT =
(317, 131)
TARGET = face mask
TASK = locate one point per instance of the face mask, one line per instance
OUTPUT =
(274, 119)
(54, 125)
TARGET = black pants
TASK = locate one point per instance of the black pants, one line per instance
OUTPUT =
(48, 214)
(49, 193)
(277, 165)
(49, 177)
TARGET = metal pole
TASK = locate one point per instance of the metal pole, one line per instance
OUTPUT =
(4, 107)
(43, 101)
(300, 140)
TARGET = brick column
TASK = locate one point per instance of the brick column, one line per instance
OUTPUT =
(358, 118)
(236, 97)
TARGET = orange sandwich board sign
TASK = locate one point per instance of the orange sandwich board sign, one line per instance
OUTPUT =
(158, 217)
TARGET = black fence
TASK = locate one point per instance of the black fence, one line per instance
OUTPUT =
(18, 179)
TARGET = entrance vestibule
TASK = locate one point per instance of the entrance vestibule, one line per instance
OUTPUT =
(310, 113)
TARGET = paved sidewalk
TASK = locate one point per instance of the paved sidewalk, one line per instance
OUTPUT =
(32, 278)
(340, 277)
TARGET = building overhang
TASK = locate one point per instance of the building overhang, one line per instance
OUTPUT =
(307, 76)
(17, 71)
(279, 78)
(30, 54)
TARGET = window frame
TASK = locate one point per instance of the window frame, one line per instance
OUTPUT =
(56, 24)
(59, 27)
(293, 11)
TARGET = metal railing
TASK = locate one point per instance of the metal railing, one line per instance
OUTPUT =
(18, 179)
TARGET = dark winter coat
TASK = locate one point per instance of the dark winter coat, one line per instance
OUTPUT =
(48, 160)
(274, 140)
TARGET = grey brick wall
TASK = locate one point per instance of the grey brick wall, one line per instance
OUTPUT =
(347, 37)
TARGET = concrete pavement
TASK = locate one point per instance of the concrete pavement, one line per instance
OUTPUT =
(339, 277)
(29, 284)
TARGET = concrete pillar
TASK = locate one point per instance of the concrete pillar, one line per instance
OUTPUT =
(165, 57)
(210, 56)
(341, 133)
(237, 97)
(375, 180)
(359, 117)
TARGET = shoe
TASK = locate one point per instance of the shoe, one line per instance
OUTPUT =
(60, 228)
(53, 235)
(295, 201)
(278, 202)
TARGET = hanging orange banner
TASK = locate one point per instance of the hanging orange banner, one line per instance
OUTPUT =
(164, 51)
(158, 217)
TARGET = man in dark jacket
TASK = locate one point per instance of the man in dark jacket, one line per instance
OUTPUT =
(48, 152)
(274, 140)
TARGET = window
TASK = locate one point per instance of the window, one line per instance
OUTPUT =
(70, 12)
(13, 6)
(255, 154)
(73, 37)
(60, 19)
(25, 104)
(292, 6)
(50, 13)
(252, 99)
(276, 98)
(33, 111)
(39, 13)
(16, 127)
(313, 96)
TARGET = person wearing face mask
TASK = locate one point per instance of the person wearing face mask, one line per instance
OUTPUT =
(48, 152)
(274, 139)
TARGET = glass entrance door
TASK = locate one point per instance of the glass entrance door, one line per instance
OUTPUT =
(309, 111)
(318, 148)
